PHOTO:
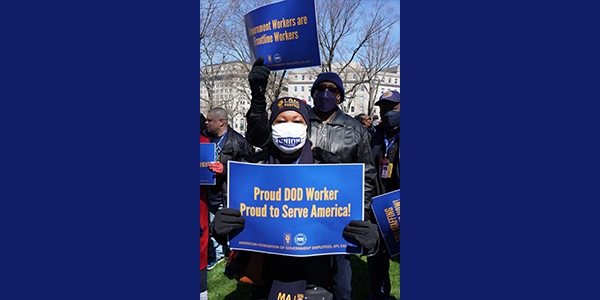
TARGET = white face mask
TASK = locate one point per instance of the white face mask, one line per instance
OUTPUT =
(289, 137)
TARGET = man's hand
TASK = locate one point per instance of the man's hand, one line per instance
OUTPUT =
(363, 232)
(216, 167)
(258, 78)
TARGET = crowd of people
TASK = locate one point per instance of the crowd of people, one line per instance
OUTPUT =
(323, 134)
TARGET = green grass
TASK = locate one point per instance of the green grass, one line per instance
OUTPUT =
(223, 288)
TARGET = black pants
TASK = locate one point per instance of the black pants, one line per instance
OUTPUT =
(379, 274)
(203, 280)
(212, 245)
(342, 279)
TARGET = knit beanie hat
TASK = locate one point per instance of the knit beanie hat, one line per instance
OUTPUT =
(330, 77)
(288, 103)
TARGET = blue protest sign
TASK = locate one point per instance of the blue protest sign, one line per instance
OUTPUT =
(207, 155)
(386, 208)
(284, 34)
(295, 210)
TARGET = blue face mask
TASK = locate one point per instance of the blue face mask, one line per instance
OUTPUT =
(391, 119)
(325, 101)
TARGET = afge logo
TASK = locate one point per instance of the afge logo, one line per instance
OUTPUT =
(289, 142)
(287, 238)
(300, 239)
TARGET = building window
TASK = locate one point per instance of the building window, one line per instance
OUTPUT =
(295, 77)
(353, 76)
(352, 108)
(303, 88)
(302, 77)
(295, 89)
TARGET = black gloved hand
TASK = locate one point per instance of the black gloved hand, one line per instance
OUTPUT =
(258, 78)
(227, 220)
(363, 232)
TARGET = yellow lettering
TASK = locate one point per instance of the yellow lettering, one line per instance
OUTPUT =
(302, 20)
(253, 211)
(331, 211)
(267, 195)
(295, 212)
(394, 226)
(324, 194)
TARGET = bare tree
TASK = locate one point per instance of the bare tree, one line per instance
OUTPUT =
(354, 38)
(336, 20)
(214, 16)
(231, 46)
(356, 30)
(382, 52)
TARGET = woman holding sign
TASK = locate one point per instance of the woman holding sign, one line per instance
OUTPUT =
(329, 128)
(286, 275)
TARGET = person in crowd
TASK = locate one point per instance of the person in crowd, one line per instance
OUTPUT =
(329, 128)
(366, 121)
(386, 152)
(230, 145)
(204, 233)
(289, 119)
(375, 120)
(386, 143)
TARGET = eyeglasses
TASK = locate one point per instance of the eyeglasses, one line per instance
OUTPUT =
(332, 88)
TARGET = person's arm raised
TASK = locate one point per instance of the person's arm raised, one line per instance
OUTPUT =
(258, 131)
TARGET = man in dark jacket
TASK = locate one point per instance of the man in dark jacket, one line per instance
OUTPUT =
(366, 121)
(330, 129)
(230, 145)
(386, 152)
(386, 143)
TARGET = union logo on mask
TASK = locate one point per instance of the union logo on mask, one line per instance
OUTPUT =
(288, 137)
(289, 142)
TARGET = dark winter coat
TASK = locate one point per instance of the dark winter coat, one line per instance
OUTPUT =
(386, 185)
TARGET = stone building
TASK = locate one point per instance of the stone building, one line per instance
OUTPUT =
(226, 85)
